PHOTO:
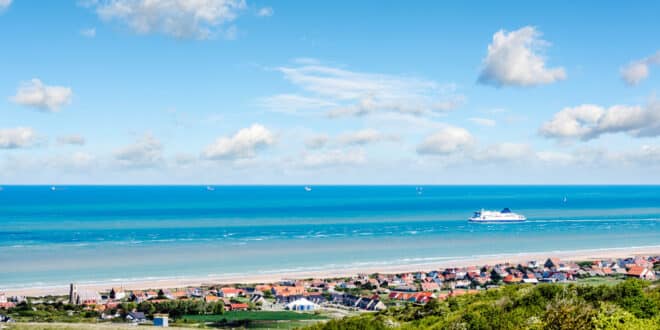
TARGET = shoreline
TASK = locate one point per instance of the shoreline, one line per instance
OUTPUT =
(480, 260)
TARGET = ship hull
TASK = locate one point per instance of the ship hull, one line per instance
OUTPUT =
(496, 221)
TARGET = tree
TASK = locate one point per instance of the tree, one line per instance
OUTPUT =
(219, 308)
(568, 314)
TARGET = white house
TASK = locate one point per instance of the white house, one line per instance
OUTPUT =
(301, 304)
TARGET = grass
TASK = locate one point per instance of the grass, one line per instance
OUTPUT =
(255, 316)
(76, 326)
(605, 280)
(256, 319)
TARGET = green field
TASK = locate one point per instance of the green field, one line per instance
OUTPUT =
(254, 316)
(607, 280)
(256, 319)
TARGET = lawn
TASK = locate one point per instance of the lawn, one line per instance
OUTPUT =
(606, 280)
(255, 316)
(257, 319)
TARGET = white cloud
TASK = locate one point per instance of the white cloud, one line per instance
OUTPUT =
(334, 158)
(265, 12)
(483, 121)
(506, 151)
(145, 152)
(514, 59)
(89, 32)
(446, 141)
(43, 97)
(317, 141)
(342, 92)
(74, 139)
(556, 157)
(293, 103)
(244, 144)
(200, 19)
(4, 4)
(586, 122)
(19, 137)
(638, 70)
(364, 136)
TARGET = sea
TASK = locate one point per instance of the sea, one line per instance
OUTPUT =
(85, 234)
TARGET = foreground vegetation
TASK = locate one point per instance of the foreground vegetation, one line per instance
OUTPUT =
(632, 304)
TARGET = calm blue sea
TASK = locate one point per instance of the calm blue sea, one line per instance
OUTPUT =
(121, 233)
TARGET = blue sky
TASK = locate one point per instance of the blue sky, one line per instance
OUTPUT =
(227, 91)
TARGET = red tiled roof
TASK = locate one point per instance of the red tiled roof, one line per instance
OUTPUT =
(238, 306)
(636, 271)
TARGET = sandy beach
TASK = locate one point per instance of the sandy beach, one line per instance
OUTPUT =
(580, 255)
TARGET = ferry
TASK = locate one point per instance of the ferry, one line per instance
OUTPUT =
(504, 216)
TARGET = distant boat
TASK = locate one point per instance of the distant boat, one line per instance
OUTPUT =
(420, 190)
(210, 188)
(565, 199)
(53, 188)
(504, 216)
(308, 188)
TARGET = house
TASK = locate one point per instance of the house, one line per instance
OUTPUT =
(430, 286)
(376, 305)
(238, 307)
(210, 298)
(281, 290)
(136, 317)
(529, 277)
(509, 279)
(229, 292)
(552, 263)
(641, 272)
(301, 304)
(117, 293)
(257, 299)
(195, 292)
(6, 319)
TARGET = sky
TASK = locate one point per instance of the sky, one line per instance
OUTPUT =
(334, 92)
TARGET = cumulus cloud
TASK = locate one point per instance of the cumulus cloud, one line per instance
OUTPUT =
(19, 137)
(341, 92)
(73, 139)
(200, 19)
(446, 141)
(145, 152)
(636, 71)
(514, 59)
(4, 4)
(483, 121)
(334, 158)
(588, 121)
(43, 97)
(89, 32)
(265, 12)
(242, 145)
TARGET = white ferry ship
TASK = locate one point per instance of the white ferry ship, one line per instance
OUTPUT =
(497, 216)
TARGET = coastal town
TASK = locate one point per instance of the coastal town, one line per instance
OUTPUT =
(331, 297)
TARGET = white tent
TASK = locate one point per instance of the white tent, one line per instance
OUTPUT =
(301, 304)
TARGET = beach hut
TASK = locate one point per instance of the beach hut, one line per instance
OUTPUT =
(301, 304)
